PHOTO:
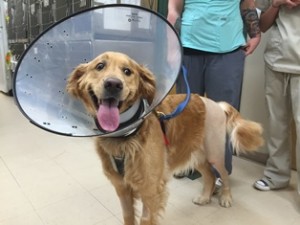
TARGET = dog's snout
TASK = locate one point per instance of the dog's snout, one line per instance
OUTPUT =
(113, 84)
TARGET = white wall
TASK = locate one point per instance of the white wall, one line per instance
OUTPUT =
(253, 104)
(5, 76)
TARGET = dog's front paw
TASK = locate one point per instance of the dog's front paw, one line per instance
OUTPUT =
(201, 200)
(225, 201)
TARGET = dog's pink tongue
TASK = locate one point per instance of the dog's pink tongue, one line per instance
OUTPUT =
(108, 116)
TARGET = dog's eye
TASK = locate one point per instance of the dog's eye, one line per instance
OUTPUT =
(100, 66)
(127, 71)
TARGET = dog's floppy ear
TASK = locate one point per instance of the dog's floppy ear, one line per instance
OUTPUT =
(147, 84)
(73, 80)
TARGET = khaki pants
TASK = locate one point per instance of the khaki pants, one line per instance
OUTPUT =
(283, 104)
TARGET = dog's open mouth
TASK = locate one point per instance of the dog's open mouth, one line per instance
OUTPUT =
(108, 114)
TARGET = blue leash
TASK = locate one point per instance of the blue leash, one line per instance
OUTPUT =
(183, 104)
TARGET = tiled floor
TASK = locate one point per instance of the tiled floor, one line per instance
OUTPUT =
(46, 179)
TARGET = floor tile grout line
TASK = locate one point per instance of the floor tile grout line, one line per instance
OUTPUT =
(84, 188)
(21, 189)
(10, 172)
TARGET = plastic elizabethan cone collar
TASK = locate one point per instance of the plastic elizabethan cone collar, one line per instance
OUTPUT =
(42, 72)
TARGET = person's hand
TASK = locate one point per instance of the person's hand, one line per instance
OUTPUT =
(251, 45)
(297, 2)
(288, 3)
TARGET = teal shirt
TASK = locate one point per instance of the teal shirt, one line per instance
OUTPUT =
(212, 25)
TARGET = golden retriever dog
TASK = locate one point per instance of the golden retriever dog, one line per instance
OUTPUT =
(109, 85)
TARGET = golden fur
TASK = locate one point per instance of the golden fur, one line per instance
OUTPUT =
(196, 137)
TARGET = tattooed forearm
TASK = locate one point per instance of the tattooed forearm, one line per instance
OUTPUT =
(251, 22)
(250, 17)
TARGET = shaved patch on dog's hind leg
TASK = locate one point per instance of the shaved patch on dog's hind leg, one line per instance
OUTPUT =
(208, 184)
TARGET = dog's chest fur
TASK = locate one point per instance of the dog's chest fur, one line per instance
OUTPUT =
(144, 155)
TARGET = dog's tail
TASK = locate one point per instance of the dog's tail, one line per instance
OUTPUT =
(245, 135)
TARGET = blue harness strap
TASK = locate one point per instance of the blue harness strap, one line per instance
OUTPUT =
(183, 104)
(178, 110)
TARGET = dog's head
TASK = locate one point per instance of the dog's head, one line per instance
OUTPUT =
(109, 85)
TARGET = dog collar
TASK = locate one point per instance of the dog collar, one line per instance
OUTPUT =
(130, 112)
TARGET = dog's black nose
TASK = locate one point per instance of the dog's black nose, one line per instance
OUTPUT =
(113, 84)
